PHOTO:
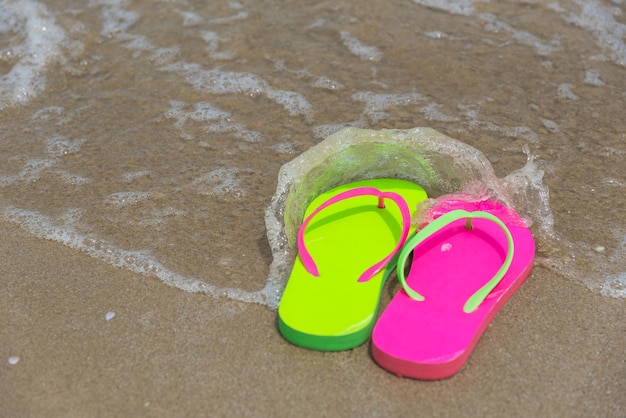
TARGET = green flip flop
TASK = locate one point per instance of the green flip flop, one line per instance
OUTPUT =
(347, 246)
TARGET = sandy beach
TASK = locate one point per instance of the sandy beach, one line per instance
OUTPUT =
(141, 143)
(554, 350)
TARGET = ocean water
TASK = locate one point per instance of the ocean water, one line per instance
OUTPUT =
(150, 134)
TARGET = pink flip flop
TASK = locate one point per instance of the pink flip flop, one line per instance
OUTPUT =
(466, 264)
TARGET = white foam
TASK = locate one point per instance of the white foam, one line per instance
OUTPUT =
(376, 104)
(215, 81)
(132, 176)
(551, 125)
(47, 113)
(324, 130)
(614, 286)
(564, 91)
(473, 122)
(116, 19)
(31, 171)
(60, 146)
(523, 37)
(141, 262)
(216, 120)
(221, 182)
(162, 56)
(614, 182)
(492, 23)
(138, 44)
(327, 84)
(432, 112)
(358, 48)
(229, 19)
(436, 34)
(600, 20)
(459, 7)
(213, 44)
(123, 199)
(72, 179)
(593, 77)
(190, 18)
(39, 47)
(203, 112)
(292, 101)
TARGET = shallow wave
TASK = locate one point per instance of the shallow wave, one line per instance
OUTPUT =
(211, 103)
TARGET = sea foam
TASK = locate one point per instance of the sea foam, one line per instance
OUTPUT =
(34, 42)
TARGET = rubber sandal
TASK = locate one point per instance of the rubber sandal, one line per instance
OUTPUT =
(466, 264)
(347, 246)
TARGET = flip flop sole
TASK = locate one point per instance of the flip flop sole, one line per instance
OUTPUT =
(432, 339)
(335, 311)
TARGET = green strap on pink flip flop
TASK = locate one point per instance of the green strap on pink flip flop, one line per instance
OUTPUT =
(347, 246)
(441, 222)
(465, 265)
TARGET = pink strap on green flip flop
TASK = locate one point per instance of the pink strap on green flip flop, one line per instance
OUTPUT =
(305, 256)
(436, 225)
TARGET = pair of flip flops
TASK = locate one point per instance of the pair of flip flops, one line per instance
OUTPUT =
(466, 262)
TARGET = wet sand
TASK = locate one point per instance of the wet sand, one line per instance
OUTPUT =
(555, 349)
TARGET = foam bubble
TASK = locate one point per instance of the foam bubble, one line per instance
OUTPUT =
(460, 7)
(216, 120)
(376, 104)
(60, 146)
(229, 19)
(132, 176)
(492, 23)
(72, 179)
(432, 112)
(190, 18)
(30, 171)
(47, 113)
(614, 287)
(565, 92)
(123, 199)
(322, 131)
(213, 42)
(328, 84)
(473, 121)
(220, 182)
(593, 77)
(358, 48)
(162, 56)
(551, 125)
(116, 19)
(436, 34)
